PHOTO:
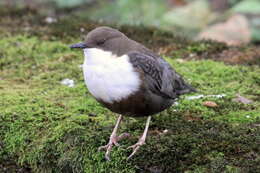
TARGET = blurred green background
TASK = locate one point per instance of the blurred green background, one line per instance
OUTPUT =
(213, 19)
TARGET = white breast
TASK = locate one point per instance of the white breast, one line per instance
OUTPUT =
(108, 77)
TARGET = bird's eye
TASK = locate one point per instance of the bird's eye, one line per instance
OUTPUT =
(100, 42)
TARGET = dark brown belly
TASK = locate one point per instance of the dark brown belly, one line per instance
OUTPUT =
(142, 103)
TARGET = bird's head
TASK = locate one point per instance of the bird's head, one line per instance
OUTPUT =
(99, 38)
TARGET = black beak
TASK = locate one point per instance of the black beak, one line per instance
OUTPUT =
(79, 45)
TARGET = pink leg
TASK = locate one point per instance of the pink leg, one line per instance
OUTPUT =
(141, 141)
(113, 139)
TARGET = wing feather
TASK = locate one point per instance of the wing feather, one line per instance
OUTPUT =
(160, 77)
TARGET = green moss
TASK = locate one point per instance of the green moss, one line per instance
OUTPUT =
(46, 126)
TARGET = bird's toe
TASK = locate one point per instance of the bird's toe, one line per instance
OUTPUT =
(135, 148)
(112, 142)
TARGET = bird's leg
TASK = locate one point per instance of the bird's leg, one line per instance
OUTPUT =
(113, 140)
(141, 141)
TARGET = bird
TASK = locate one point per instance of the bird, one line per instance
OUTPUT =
(129, 79)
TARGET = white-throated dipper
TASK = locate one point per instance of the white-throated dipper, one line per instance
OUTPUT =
(128, 78)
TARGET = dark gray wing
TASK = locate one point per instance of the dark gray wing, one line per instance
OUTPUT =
(159, 76)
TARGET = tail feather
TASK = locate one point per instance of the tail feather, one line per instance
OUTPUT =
(186, 89)
(181, 87)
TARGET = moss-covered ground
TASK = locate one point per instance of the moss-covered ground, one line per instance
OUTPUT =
(50, 127)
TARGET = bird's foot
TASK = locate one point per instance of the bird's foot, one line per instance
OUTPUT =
(112, 141)
(135, 148)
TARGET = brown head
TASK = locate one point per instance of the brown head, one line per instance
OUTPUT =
(107, 39)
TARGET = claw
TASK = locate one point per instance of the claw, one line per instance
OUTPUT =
(102, 147)
(112, 142)
(108, 148)
(135, 148)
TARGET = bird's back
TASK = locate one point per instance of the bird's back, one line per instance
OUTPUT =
(159, 71)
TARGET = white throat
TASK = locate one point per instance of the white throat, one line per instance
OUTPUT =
(108, 77)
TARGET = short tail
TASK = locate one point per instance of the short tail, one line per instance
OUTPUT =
(186, 88)
(181, 87)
